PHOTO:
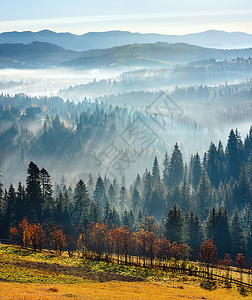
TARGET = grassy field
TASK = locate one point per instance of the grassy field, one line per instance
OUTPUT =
(25, 274)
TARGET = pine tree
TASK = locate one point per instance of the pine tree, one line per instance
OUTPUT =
(242, 190)
(155, 205)
(176, 167)
(94, 213)
(166, 171)
(135, 200)
(107, 213)
(212, 166)
(203, 195)
(233, 154)
(11, 207)
(185, 197)
(123, 198)
(47, 192)
(194, 231)
(237, 232)
(81, 202)
(155, 172)
(99, 195)
(147, 189)
(1, 187)
(34, 193)
(174, 224)
(112, 195)
(21, 202)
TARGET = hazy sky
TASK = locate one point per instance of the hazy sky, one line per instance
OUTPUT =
(160, 16)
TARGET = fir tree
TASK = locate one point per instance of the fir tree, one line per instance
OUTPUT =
(238, 237)
(34, 193)
(203, 195)
(176, 167)
(174, 224)
(81, 202)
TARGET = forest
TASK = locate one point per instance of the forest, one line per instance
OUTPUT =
(174, 203)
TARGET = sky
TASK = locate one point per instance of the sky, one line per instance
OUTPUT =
(159, 16)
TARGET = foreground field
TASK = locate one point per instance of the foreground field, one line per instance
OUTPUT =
(28, 275)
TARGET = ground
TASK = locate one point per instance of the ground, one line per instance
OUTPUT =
(25, 274)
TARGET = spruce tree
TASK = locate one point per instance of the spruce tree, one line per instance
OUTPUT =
(203, 195)
(81, 202)
(194, 231)
(47, 192)
(237, 233)
(99, 195)
(166, 171)
(174, 224)
(233, 154)
(155, 172)
(176, 167)
(135, 200)
(34, 193)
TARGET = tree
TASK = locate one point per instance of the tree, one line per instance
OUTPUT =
(1, 187)
(47, 191)
(135, 200)
(212, 165)
(11, 208)
(240, 263)
(34, 192)
(22, 205)
(155, 172)
(196, 170)
(194, 231)
(208, 253)
(176, 167)
(237, 233)
(155, 205)
(123, 198)
(59, 240)
(203, 195)
(174, 224)
(100, 193)
(81, 203)
(234, 154)
(242, 190)
(166, 171)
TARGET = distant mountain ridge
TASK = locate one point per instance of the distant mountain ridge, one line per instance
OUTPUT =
(147, 55)
(108, 39)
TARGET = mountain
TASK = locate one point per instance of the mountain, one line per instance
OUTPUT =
(108, 39)
(152, 55)
(42, 54)
(36, 54)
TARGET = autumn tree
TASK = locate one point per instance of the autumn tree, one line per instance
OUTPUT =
(208, 253)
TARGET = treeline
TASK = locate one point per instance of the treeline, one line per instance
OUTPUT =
(210, 198)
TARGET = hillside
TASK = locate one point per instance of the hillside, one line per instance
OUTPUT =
(41, 54)
(36, 54)
(108, 39)
(33, 275)
(151, 55)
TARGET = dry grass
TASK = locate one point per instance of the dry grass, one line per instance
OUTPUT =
(113, 290)
(28, 275)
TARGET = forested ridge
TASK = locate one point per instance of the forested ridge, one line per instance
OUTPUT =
(210, 198)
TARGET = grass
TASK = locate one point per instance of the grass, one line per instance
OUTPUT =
(25, 274)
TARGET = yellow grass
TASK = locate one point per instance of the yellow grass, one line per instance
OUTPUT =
(28, 275)
(113, 290)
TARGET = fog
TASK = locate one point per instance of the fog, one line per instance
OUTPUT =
(47, 82)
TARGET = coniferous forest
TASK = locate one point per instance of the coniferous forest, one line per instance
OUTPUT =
(208, 198)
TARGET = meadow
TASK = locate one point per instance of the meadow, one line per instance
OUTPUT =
(25, 274)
